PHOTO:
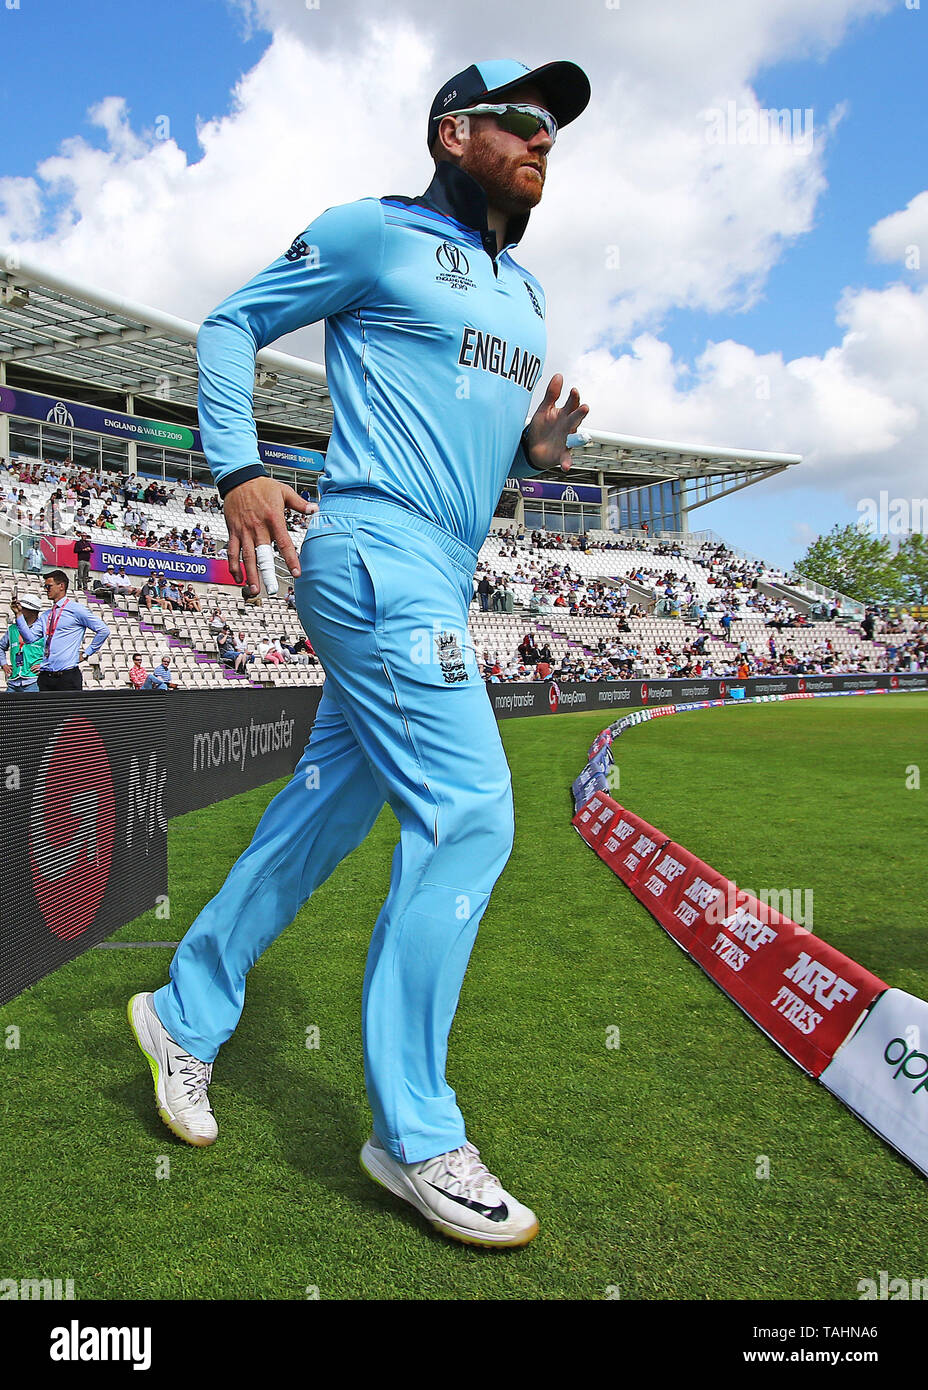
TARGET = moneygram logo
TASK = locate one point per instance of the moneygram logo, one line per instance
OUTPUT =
(72, 826)
(554, 696)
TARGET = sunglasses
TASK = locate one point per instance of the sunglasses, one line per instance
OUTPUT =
(524, 121)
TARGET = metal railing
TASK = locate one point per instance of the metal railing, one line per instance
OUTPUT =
(847, 607)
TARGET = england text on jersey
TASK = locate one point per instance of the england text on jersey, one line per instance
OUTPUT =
(491, 354)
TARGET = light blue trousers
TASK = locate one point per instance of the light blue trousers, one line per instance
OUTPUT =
(404, 719)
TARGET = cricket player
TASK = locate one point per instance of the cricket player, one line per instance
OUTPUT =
(435, 338)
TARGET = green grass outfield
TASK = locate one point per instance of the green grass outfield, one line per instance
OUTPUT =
(640, 1162)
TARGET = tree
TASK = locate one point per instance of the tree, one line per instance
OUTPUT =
(912, 565)
(855, 563)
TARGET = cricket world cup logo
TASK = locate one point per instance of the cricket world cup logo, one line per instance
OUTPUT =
(71, 828)
(455, 267)
(452, 258)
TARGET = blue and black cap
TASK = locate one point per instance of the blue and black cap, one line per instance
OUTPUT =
(564, 86)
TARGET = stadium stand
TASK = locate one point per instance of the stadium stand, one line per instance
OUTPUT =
(604, 606)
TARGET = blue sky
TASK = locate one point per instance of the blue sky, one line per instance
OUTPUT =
(182, 60)
(875, 164)
(61, 57)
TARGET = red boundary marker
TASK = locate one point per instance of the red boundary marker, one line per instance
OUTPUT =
(807, 996)
(842, 1024)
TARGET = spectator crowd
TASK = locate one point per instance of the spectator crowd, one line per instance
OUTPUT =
(720, 595)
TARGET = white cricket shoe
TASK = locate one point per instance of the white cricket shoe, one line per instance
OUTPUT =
(180, 1080)
(456, 1192)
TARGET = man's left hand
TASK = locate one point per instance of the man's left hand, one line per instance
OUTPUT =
(546, 438)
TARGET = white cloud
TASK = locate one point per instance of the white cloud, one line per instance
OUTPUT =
(857, 413)
(903, 236)
(137, 218)
(671, 54)
(22, 199)
(643, 213)
(326, 116)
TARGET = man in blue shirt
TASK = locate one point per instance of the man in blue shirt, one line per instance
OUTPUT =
(62, 628)
(160, 678)
(435, 340)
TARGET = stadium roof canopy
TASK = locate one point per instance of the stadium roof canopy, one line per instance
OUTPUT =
(54, 327)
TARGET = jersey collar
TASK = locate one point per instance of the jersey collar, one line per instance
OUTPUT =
(457, 194)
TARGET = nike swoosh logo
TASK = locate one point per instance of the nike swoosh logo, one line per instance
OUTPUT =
(499, 1213)
(167, 1065)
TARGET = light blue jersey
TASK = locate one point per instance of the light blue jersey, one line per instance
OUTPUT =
(434, 342)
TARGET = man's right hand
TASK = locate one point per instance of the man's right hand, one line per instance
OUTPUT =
(254, 513)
